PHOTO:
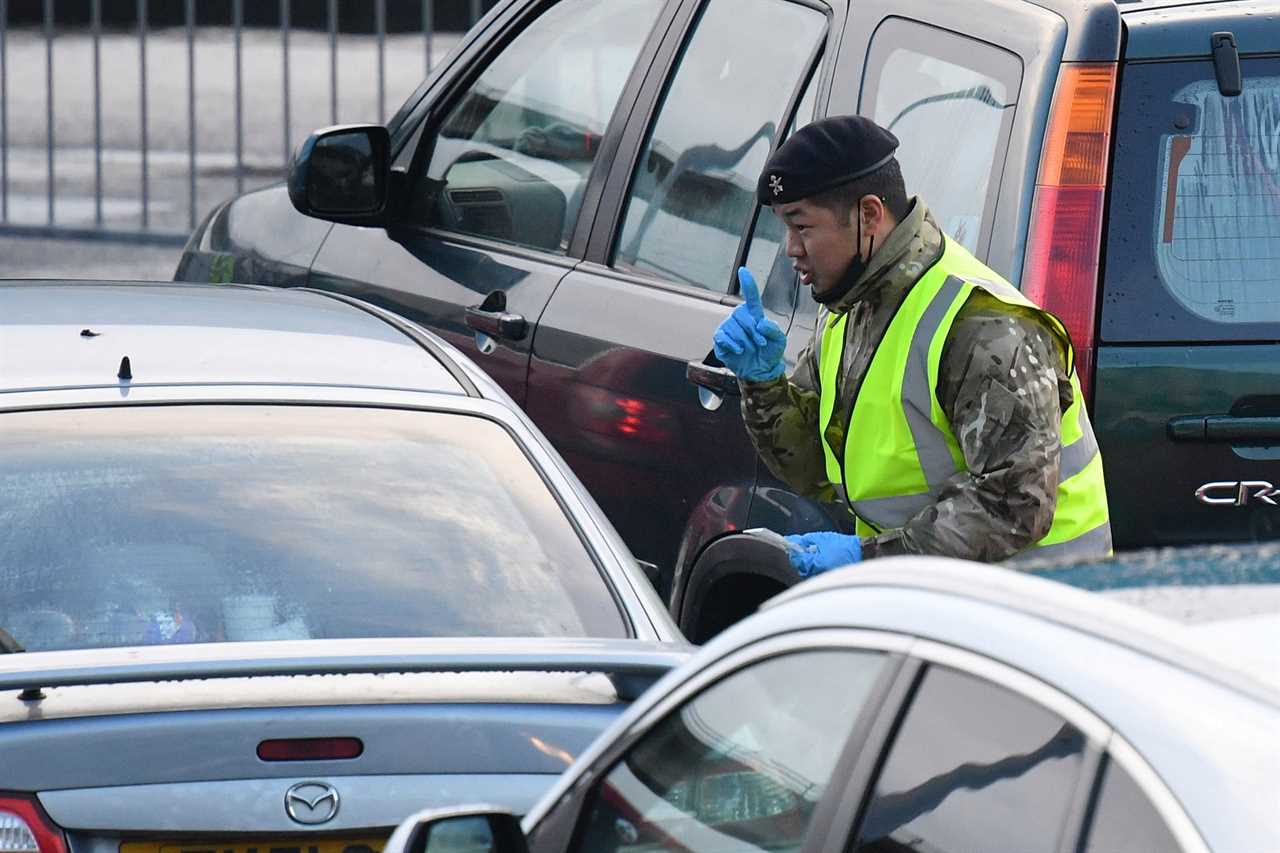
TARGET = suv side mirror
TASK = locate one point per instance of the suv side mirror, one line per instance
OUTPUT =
(341, 173)
(466, 829)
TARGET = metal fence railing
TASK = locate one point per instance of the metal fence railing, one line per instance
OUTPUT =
(133, 130)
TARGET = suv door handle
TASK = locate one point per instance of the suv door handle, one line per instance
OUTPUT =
(1223, 428)
(498, 324)
(719, 380)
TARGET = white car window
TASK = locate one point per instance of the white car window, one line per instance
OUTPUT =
(742, 766)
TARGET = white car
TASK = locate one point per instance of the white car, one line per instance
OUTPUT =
(920, 704)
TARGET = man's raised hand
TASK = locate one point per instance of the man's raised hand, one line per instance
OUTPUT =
(748, 342)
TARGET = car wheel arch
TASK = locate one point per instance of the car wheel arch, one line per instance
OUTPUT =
(729, 580)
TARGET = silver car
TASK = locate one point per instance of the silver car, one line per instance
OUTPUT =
(919, 704)
(278, 568)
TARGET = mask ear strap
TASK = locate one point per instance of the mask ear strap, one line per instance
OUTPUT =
(857, 266)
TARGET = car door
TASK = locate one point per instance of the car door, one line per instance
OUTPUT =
(982, 757)
(742, 758)
(1187, 406)
(668, 461)
(491, 189)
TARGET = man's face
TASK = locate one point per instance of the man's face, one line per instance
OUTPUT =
(820, 242)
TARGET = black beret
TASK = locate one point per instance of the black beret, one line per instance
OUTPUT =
(823, 155)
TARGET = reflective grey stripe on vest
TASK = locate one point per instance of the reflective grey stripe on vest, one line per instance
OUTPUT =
(1077, 455)
(1095, 543)
(917, 396)
(890, 513)
(931, 444)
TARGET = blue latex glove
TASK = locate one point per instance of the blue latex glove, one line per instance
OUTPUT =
(822, 551)
(748, 342)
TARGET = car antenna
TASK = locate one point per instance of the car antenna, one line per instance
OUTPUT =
(126, 372)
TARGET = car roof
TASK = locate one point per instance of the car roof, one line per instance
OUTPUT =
(1082, 611)
(76, 334)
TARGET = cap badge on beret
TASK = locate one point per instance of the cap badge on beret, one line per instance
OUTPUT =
(775, 184)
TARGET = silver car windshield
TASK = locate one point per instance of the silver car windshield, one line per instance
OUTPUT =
(144, 525)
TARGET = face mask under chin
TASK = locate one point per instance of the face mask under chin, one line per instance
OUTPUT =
(857, 267)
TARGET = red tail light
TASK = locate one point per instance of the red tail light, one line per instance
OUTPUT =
(25, 828)
(1061, 269)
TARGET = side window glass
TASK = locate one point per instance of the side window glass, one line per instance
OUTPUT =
(950, 101)
(511, 159)
(766, 256)
(1124, 819)
(694, 186)
(740, 767)
(973, 767)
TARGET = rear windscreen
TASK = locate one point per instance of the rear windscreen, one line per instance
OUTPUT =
(1193, 248)
(187, 524)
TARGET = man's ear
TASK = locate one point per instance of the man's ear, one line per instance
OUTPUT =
(873, 212)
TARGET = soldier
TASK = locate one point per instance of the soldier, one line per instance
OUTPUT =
(934, 400)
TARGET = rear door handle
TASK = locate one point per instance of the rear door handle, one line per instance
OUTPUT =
(719, 380)
(498, 324)
(1225, 428)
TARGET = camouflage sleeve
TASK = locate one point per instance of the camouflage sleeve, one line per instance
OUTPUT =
(782, 419)
(1000, 383)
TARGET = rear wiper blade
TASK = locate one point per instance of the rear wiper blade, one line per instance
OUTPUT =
(8, 644)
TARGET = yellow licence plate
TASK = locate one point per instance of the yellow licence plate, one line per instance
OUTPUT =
(273, 845)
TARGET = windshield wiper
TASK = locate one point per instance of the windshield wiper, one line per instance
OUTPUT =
(8, 644)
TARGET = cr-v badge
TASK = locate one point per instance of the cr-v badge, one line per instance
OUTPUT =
(1237, 493)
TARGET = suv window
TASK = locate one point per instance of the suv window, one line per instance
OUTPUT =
(766, 256)
(511, 159)
(1193, 250)
(974, 767)
(694, 186)
(1124, 819)
(740, 767)
(950, 101)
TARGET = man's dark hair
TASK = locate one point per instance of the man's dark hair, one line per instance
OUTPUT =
(885, 182)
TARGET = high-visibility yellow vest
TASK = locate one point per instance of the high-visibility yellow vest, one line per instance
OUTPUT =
(899, 448)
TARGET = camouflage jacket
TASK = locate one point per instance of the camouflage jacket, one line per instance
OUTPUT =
(1009, 431)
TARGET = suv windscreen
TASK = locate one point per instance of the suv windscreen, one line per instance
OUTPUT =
(1193, 249)
(175, 524)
